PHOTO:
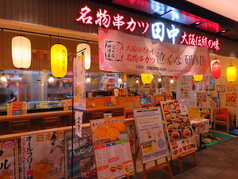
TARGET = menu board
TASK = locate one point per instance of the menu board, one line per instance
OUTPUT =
(8, 159)
(151, 135)
(180, 134)
(17, 108)
(82, 155)
(111, 147)
(43, 155)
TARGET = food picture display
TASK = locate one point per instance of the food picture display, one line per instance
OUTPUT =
(111, 147)
(151, 136)
(180, 133)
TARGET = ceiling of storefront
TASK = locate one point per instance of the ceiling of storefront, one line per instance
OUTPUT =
(216, 17)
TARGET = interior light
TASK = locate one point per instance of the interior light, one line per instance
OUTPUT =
(21, 52)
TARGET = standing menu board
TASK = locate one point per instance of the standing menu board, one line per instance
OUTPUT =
(43, 155)
(179, 130)
(111, 147)
(151, 135)
(81, 156)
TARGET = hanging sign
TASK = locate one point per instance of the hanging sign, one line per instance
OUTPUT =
(120, 52)
(79, 84)
(151, 135)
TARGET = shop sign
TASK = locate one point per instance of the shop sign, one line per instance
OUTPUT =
(200, 41)
(132, 54)
(103, 19)
(158, 29)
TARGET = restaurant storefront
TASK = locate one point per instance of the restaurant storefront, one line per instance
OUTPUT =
(58, 121)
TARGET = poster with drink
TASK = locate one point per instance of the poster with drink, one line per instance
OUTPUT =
(79, 84)
(81, 158)
(111, 147)
(17, 108)
(8, 159)
(179, 131)
(151, 135)
(43, 155)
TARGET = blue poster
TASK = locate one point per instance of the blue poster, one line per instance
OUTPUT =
(81, 157)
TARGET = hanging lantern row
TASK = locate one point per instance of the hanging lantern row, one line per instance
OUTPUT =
(21, 55)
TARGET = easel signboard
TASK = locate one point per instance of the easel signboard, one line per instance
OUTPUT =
(180, 134)
(112, 148)
(151, 138)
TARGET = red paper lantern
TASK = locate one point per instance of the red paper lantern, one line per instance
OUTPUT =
(216, 70)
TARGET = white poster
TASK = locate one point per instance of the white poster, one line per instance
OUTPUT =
(120, 52)
(151, 136)
(79, 84)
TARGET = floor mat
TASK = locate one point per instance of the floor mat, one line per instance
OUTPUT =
(213, 137)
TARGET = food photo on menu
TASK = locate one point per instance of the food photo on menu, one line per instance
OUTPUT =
(178, 127)
(109, 130)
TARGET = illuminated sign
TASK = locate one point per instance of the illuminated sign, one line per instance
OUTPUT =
(200, 41)
(158, 31)
(103, 19)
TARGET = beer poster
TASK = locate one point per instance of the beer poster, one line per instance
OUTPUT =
(80, 155)
(179, 131)
(8, 159)
(43, 155)
(151, 135)
(111, 147)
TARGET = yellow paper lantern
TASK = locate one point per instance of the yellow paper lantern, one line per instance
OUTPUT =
(146, 78)
(87, 54)
(231, 73)
(21, 52)
(124, 78)
(59, 60)
(197, 77)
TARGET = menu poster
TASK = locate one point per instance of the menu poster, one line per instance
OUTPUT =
(82, 155)
(178, 128)
(110, 101)
(68, 104)
(43, 155)
(111, 147)
(8, 159)
(17, 108)
(151, 135)
(231, 93)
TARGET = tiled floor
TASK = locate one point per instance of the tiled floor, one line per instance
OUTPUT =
(219, 161)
